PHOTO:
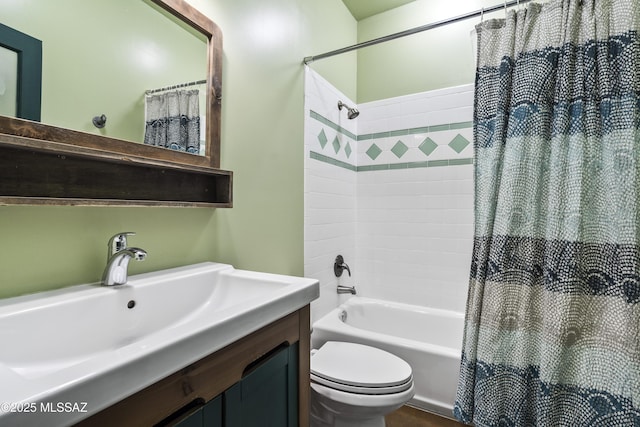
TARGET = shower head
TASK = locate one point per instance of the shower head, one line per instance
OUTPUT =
(352, 113)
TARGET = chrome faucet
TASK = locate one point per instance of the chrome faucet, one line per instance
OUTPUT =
(338, 267)
(346, 289)
(118, 257)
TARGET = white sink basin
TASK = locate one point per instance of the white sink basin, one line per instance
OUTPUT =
(88, 343)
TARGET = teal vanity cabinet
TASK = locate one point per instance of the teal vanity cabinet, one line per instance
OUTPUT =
(267, 395)
(209, 415)
(260, 380)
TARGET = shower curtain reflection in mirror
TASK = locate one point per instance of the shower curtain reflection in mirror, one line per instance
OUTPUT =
(173, 120)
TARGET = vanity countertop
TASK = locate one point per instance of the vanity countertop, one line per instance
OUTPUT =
(72, 352)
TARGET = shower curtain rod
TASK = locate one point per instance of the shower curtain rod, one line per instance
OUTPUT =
(162, 89)
(309, 59)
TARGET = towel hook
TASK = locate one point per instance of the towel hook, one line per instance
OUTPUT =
(99, 121)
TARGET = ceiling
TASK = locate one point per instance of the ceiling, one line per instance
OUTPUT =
(361, 9)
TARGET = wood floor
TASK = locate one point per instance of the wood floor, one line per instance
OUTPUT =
(411, 417)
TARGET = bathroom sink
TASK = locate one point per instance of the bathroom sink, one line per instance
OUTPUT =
(97, 344)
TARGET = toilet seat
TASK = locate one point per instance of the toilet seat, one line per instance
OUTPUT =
(360, 369)
(359, 389)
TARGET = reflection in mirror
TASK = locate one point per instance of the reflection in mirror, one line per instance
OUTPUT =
(111, 57)
(8, 82)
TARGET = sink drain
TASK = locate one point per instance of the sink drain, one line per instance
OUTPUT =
(131, 304)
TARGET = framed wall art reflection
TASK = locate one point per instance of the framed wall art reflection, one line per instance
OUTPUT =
(20, 74)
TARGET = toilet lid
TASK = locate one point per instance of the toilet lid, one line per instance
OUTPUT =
(357, 365)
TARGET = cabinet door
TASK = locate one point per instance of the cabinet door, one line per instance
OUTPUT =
(209, 415)
(212, 413)
(267, 396)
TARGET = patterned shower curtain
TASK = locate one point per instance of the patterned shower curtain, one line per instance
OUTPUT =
(552, 327)
(173, 120)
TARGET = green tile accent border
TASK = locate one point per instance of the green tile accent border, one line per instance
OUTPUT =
(459, 143)
(439, 128)
(461, 125)
(397, 132)
(400, 132)
(418, 130)
(414, 131)
(373, 152)
(380, 135)
(399, 149)
(336, 145)
(388, 166)
(432, 163)
(331, 161)
(398, 165)
(423, 164)
(372, 168)
(322, 138)
(427, 146)
(458, 162)
(332, 125)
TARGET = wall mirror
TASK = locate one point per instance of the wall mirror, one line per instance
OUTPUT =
(108, 58)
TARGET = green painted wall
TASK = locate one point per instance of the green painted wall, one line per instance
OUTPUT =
(340, 71)
(124, 48)
(262, 142)
(262, 129)
(435, 59)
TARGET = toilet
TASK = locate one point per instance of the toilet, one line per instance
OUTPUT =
(354, 385)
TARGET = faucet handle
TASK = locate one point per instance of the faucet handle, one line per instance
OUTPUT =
(118, 242)
(339, 266)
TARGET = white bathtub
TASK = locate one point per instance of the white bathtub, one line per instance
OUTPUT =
(430, 340)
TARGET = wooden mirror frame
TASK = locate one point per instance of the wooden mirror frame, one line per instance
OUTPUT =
(30, 153)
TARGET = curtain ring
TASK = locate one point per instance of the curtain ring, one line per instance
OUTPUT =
(505, 9)
(482, 16)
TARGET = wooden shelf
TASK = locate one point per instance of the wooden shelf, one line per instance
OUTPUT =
(37, 172)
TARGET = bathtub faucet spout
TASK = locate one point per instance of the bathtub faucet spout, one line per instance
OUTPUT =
(346, 289)
(339, 266)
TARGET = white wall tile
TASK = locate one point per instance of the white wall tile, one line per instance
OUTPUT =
(415, 235)
(406, 233)
(330, 195)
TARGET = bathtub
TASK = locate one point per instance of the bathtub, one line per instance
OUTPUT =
(430, 340)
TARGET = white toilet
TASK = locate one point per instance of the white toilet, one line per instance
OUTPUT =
(354, 385)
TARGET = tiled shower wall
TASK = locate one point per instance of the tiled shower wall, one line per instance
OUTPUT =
(415, 199)
(330, 191)
(408, 162)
